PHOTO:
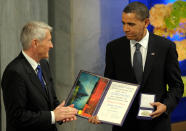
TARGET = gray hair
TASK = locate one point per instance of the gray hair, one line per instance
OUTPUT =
(139, 9)
(33, 30)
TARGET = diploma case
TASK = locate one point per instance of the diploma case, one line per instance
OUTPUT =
(110, 100)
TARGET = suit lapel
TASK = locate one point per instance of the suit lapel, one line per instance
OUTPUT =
(33, 77)
(128, 59)
(151, 53)
(48, 83)
(123, 52)
(128, 51)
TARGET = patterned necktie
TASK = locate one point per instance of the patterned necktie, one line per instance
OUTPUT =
(39, 74)
(137, 63)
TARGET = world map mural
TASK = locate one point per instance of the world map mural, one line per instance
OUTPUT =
(169, 20)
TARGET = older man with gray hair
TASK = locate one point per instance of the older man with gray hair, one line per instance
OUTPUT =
(29, 97)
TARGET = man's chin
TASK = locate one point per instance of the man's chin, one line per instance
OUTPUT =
(45, 57)
(130, 37)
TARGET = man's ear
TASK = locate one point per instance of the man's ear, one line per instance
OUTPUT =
(147, 22)
(34, 43)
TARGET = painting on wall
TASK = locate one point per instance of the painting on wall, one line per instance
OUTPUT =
(169, 20)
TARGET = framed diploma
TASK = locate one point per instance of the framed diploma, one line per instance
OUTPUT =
(145, 107)
(94, 95)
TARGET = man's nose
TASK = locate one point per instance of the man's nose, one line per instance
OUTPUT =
(125, 28)
(51, 45)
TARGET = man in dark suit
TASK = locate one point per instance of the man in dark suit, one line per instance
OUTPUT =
(29, 97)
(157, 67)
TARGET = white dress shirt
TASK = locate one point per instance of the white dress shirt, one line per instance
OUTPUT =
(34, 65)
(144, 46)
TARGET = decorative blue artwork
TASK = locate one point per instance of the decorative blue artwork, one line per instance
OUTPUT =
(84, 87)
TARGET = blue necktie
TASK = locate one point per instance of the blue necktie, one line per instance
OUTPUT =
(39, 74)
(137, 63)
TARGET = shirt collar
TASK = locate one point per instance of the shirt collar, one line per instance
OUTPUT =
(32, 62)
(143, 42)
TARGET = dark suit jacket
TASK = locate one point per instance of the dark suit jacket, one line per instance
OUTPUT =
(161, 68)
(27, 104)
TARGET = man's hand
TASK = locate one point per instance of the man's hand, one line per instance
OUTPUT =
(94, 120)
(65, 114)
(161, 108)
(70, 119)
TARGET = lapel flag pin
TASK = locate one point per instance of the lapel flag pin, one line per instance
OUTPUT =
(152, 53)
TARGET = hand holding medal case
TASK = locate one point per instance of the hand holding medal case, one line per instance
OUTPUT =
(145, 108)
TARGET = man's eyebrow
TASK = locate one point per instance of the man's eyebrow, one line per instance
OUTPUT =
(131, 23)
(128, 23)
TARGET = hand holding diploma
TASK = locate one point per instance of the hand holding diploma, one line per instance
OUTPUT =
(94, 120)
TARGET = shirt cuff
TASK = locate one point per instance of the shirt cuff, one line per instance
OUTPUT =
(53, 117)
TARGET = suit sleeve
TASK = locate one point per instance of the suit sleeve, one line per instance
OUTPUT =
(15, 100)
(173, 78)
(109, 67)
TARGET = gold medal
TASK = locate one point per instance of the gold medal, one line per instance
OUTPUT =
(145, 113)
